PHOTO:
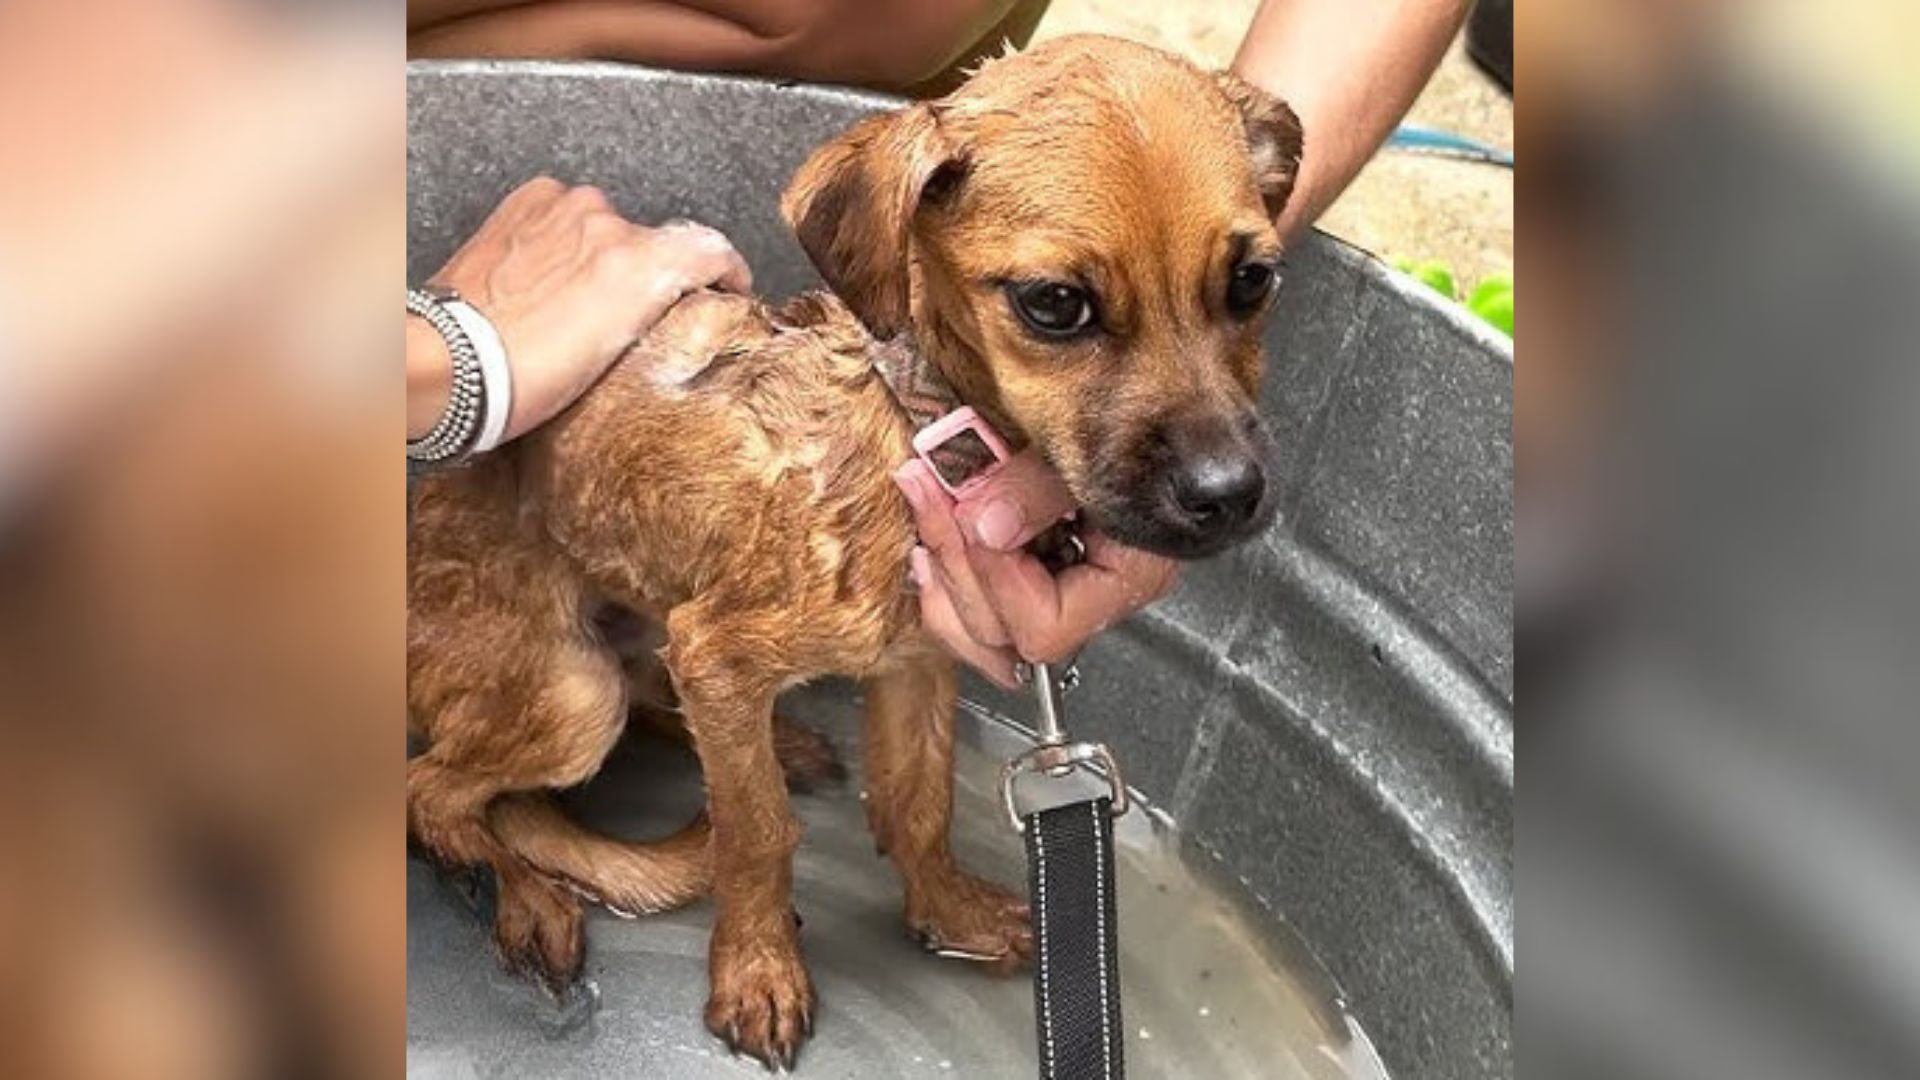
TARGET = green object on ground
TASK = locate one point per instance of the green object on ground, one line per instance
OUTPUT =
(1436, 276)
(1495, 306)
(1492, 299)
(1494, 283)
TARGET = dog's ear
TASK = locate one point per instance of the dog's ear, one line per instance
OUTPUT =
(1273, 138)
(852, 206)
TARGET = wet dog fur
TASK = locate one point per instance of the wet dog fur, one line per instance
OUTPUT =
(729, 482)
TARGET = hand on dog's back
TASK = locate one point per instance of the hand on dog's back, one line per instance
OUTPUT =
(571, 286)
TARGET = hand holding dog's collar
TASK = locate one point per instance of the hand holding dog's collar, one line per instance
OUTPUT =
(960, 448)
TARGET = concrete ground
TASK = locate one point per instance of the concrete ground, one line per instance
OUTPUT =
(1402, 205)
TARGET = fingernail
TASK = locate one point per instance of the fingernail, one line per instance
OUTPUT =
(997, 525)
(907, 478)
(919, 568)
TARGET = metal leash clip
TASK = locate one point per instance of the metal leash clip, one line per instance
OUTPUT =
(1056, 757)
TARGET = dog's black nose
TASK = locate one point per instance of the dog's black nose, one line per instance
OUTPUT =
(1220, 491)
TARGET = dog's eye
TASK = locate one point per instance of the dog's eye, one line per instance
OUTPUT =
(1052, 309)
(1251, 284)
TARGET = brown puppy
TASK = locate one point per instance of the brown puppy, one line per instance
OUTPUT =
(1079, 240)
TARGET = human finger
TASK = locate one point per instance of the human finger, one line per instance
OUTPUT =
(1018, 501)
(938, 615)
(940, 535)
(1049, 618)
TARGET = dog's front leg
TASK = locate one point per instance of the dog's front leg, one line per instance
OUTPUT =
(909, 773)
(761, 1000)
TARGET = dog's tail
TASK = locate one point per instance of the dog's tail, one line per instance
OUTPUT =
(631, 878)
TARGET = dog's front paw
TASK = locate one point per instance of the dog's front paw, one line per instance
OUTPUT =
(957, 915)
(762, 999)
(540, 931)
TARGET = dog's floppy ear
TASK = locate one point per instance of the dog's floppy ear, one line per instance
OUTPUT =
(852, 206)
(1273, 138)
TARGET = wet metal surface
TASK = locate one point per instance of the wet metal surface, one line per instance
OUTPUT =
(1326, 713)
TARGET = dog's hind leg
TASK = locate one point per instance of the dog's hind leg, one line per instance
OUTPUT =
(537, 922)
(908, 736)
(806, 757)
(547, 721)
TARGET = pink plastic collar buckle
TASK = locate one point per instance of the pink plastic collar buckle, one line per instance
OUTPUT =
(960, 449)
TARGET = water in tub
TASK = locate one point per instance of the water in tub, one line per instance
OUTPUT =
(1213, 989)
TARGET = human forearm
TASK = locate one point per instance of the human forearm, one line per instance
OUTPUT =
(1350, 69)
(896, 43)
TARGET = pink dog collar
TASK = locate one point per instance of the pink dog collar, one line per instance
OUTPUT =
(961, 450)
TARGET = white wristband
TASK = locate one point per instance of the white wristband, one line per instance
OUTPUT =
(494, 373)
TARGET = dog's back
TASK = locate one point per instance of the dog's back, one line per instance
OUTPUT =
(737, 454)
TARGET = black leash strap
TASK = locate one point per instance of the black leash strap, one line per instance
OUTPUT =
(1076, 979)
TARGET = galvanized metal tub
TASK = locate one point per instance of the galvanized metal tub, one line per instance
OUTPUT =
(1318, 724)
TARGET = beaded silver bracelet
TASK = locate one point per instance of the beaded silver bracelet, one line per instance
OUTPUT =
(459, 425)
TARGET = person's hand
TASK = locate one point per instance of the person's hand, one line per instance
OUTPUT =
(571, 285)
(992, 604)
